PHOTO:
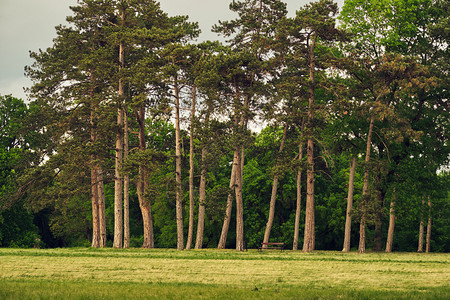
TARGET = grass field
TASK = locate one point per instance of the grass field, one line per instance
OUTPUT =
(204, 274)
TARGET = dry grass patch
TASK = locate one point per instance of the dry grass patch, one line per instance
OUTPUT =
(270, 270)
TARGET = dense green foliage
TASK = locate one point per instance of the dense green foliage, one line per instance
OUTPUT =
(385, 67)
(16, 223)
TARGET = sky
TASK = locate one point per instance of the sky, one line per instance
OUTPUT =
(29, 25)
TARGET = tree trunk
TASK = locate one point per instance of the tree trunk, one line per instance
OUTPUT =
(145, 207)
(428, 244)
(308, 242)
(95, 212)
(101, 207)
(118, 187)
(228, 210)
(239, 206)
(242, 166)
(240, 183)
(362, 226)
(390, 237)
(238, 164)
(126, 185)
(146, 211)
(179, 196)
(201, 205)
(273, 196)
(299, 199)
(94, 179)
(142, 186)
(118, 225)
(348, 219)
(420, 246)
(309, 235)
(191, 174)
(202, 195)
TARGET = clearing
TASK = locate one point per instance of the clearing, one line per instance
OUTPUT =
(85, 273)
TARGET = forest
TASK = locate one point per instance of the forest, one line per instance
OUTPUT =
(324, 130)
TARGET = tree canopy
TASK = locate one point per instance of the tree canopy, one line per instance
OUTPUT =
(134, 132)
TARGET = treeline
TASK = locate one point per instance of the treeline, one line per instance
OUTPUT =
(138, 136)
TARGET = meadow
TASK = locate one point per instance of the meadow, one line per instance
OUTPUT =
(85, 273)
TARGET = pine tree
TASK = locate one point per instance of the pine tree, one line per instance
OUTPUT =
(177, 78)
(314, 23)
(149, 32)
(252, 39)
(80, 57)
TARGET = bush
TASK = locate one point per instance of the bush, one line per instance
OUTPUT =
(18, 229)
(27, 240)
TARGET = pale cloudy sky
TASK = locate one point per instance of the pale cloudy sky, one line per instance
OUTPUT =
(29, 25)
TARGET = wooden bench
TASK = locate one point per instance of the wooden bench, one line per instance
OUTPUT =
(274, 246)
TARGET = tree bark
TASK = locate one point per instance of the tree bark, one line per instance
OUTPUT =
(240, 183)
(239, 206)
(348, 219)
(142, 186)
(201, 205)
(309, 235)
(273, 196)
(299, 199)
(118, 225)
(126, 185)
(228, 210)
(202, 195)
(420, 246)
(95, 212)
(236, 171)
(191, 174)
(101, 206)
(94, 179)
(118, 186)
(428, 244)
(146, 210)
(390, 237)
(242, 166)
(179, 196)
(362, 226)
(308, 243)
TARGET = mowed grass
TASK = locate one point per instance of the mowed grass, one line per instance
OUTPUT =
(204, 274)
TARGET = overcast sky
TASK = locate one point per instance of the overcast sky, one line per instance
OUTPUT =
(30, 25)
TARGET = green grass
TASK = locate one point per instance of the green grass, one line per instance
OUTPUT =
(204, 274)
